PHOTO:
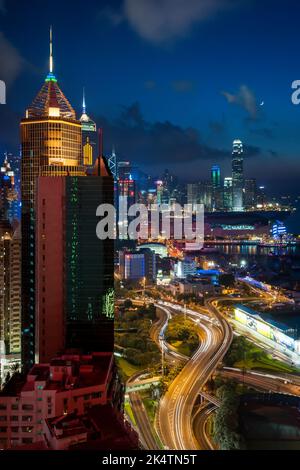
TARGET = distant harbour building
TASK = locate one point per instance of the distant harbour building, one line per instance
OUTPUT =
(279, 230)
(237, 175)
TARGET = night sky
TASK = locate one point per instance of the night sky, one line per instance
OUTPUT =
(172, 82)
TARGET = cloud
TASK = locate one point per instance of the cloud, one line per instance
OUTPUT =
(217, 127)
(265, 132)
(150, 84)
(163, 21)
(11, 61)
(183, 86)
(115, 17)
(152, 144)
(2, 6)
(244, 98)
(252, 151)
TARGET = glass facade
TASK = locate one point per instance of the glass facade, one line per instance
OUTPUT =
(89, 283)
(237, 175)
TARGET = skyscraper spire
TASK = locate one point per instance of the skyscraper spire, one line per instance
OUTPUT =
(83, 102)
(50, 77)
(51, 53)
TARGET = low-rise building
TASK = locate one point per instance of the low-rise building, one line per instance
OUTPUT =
(69, 383)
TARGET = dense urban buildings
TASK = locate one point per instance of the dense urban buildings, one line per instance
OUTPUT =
(66, 325)
(150, 241)
(69, 385)
(10, 298)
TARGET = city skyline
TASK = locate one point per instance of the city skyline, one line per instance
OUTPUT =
(149, 234)
(191, 107)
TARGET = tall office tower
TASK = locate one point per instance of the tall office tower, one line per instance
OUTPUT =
(51, 146)
(237, 175)
(193, 194)
(10, 290)
(216, 187)
(74, 269)
(250, 193)
(159, 191)
(168, 180)
(127, 189)
(205, 194)
(261, 197)
(9, 202)
(89, 136)
(227, 194)
(112, 164)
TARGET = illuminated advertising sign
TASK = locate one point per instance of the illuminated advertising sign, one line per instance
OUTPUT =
(240, 316)
(266, 330)
(284, 340)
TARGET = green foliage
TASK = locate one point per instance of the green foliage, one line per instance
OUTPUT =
(184, 331)
(226, 419)
(238, 350)
(138, 348)
(244, 354)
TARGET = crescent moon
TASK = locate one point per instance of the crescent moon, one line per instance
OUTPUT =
(262, 103)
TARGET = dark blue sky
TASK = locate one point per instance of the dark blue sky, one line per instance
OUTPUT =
(173, 82)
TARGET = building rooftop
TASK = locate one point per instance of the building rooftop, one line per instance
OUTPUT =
(63, 373)
(50, 96)
(101, 428)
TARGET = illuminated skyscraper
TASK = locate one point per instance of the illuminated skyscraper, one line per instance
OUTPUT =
(10, 291)
(89, 136)
(112, 163)
(9, 200)
(193, 194)
(205, 194)
(51, 146)
(227, 194)
(237, 175)
(250, 193)
(216, 187)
